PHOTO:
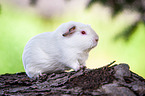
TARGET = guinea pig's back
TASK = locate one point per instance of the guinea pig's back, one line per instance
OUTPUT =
(36, 52)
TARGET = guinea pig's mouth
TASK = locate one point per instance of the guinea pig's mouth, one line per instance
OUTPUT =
(94, 44)
(91, 47)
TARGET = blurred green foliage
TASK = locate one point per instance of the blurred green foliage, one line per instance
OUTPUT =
(17, 27)
(117, 6)
(15, 30)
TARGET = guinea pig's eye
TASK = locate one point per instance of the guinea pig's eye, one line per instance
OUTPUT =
(83, 32)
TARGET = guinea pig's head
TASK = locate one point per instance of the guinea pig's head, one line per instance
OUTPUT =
(77, 35)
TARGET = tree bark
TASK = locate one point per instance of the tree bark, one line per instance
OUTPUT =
(115, 80)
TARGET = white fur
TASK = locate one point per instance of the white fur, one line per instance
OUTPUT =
(51, 52)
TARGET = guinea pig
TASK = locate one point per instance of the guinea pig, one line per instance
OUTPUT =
(63, 49)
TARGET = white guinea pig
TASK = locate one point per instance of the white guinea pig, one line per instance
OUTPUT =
(63, 49)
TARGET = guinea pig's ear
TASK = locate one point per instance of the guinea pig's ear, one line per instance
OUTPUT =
(71, 30)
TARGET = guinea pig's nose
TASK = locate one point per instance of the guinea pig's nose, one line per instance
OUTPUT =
(96, 40)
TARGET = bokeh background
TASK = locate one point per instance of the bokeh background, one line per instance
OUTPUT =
(119, 24)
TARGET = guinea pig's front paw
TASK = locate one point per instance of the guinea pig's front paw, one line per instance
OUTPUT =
(76, 67)
(82, 66)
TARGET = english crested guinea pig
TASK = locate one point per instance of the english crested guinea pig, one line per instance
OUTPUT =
(63, 49)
